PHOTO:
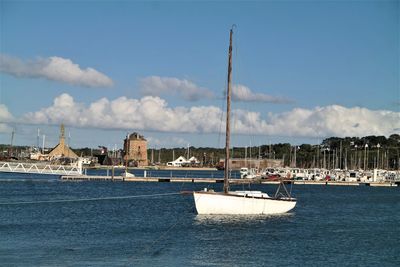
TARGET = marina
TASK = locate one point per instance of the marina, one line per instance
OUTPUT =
(77, 172)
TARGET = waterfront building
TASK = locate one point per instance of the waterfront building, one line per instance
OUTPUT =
(178, 162)
(135, 148)
(183, 162)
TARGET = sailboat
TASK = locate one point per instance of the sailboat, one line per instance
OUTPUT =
(240, 202)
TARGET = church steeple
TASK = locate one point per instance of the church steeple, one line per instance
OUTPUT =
(62, 134)
(62, 150)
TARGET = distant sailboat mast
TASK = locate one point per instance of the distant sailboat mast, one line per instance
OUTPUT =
(38, 139)
(228, 116)
(44, 138)
(126, 152)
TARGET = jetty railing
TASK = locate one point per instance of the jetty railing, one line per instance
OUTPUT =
(40, 168)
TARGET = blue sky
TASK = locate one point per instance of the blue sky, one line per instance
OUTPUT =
(303, 70)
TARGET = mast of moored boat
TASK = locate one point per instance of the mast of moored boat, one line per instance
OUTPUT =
(126, 153)
(228, 115)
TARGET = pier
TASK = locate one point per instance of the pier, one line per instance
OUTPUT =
(140, 179)
(219, 180)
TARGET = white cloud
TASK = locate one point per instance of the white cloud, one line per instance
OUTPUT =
(5, 118)
(157, 86)
(147, 113)
(5, 115)
(55, 69)
(153, 113)
(244, 94)
(334, 120)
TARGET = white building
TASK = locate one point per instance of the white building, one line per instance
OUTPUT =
(182, 161)
(178, 162)
(193, 160)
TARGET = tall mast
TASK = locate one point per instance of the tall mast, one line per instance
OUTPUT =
(38, 138)
(126, 152)
(10, 152)
(228, 116)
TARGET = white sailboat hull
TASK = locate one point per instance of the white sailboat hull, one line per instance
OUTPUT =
(220, 203)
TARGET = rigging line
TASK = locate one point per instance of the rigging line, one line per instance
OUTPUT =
(162, 236)
(86, 199)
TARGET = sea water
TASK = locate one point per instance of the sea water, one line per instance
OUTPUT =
(330, 226)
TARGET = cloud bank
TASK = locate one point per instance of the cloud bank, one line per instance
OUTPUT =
(157, 86)
(153, 113)
(55, 69)
(244, 94)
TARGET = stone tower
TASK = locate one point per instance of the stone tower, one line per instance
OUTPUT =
(135, 147)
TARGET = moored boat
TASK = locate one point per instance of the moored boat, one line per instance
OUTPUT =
(240, 202)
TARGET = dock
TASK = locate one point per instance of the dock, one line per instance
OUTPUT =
(219, 180)
(140, 179)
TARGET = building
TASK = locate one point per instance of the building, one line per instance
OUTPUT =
(135, 150)
(194, 161)
(62, 150)
(238, 163)
(178, 162)
(183, 162)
